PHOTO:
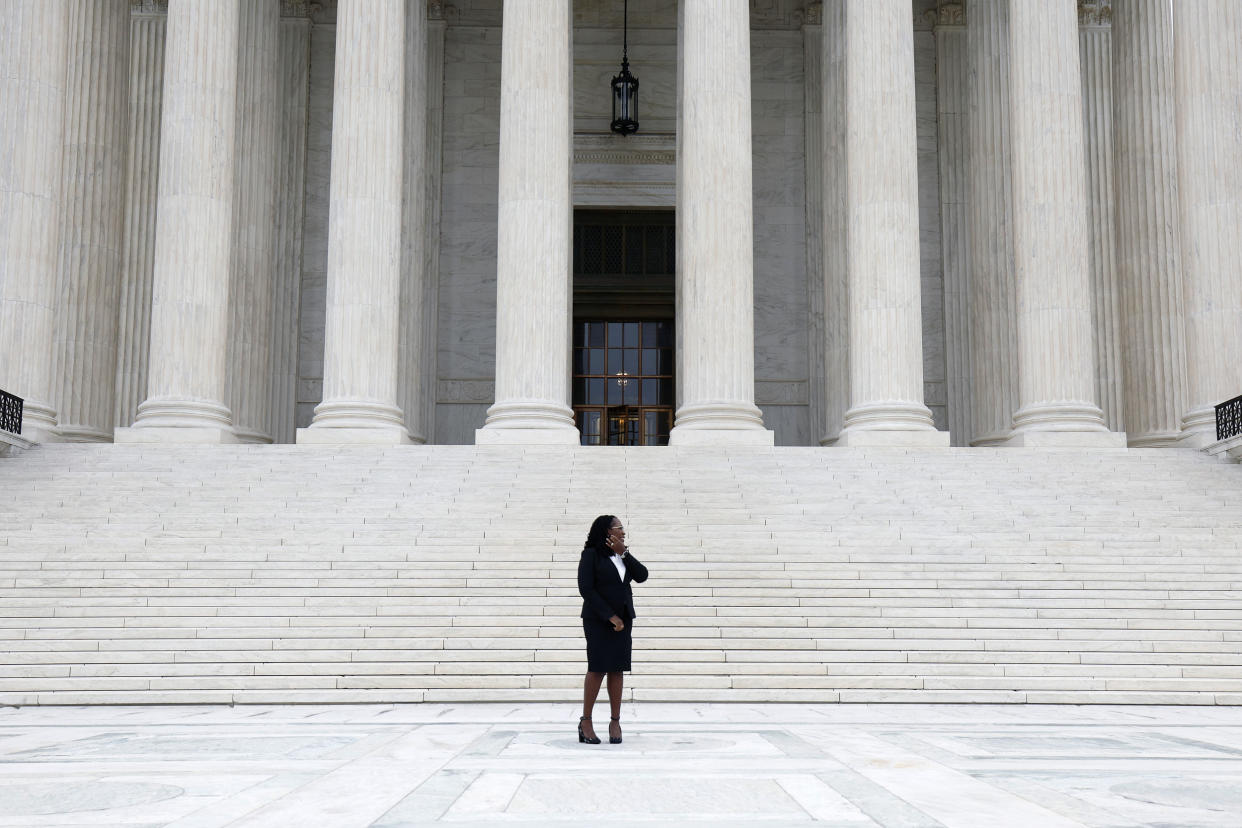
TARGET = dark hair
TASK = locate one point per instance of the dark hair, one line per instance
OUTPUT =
(599, 534)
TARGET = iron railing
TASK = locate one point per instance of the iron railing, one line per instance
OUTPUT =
(10, 413)
(1229, 419)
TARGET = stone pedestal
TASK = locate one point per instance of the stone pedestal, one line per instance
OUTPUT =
(92, 196)
(142, 175)
(882, 231)
(1056, 376)
(1207, 49)
(362, 336)
(534, 287)
(993, 335)
(1148, 235)
(33, 42)
(715, 233)
(186, 389)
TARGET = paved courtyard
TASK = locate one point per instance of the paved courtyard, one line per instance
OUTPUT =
(907, 766)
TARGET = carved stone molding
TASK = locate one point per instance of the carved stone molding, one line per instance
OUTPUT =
(946, 14)
(148, 6)
(299, 8)
(632, 149)
(813, 14)
(1095, 12)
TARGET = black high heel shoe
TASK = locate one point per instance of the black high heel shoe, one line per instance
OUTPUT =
(582, 739)
(615, 740)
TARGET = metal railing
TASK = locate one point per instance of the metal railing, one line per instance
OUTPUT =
(10, 413)
(1229, 419)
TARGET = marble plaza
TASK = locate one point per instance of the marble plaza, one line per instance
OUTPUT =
(851, 766)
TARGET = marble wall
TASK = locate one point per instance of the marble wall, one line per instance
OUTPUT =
(465, 356)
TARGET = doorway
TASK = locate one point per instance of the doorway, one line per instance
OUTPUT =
(624, 384)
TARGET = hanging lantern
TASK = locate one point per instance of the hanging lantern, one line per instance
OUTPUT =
(625, 87)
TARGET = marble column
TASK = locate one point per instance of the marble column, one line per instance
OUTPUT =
(414, 385)
(1095, 50)
(715, 229)
(1207, 50)
(1056, 375)
(812, 107)
(882, 232)
(992, 306)
(831, 160)
(436, 29)
(1148, 236)
(142, 174)
(362, 333)
(92, 195)
(254, 218)
(33, 50)
(186, 386)
(294, 69)
(534, 287)
(949, 26)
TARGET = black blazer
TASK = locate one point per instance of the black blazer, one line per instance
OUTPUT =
(603, 592)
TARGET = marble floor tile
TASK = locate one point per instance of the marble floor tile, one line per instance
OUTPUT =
(473, 765)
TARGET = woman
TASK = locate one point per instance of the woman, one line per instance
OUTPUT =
(604, 575)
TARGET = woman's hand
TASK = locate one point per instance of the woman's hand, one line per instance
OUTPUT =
(618, 547)
(617, 624)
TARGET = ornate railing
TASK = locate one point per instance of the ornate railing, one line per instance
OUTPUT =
(10, 413)
(1229, 419)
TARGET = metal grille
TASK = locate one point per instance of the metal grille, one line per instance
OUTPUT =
(634, 249)
(10, 413)
(1229, 419)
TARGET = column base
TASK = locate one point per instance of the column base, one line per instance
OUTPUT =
(371, 436)
(83, 434)
(687, 436)
(891, 438)
(513, 436)
(1198, 428)
(1041, 438)
(177, 435)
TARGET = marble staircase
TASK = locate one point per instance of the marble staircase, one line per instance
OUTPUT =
(144, 574)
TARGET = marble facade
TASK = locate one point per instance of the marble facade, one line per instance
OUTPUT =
(232, 223)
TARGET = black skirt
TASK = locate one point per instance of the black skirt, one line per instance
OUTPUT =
(607, 650)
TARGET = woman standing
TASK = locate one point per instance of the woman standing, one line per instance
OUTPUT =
(604, 575)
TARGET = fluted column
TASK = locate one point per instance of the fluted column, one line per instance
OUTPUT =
(812, 107)
(92, 196)
(33, 39)
(992, 298)
(882, 231)
(414, 385)
(715, 232)
(362, 333)
(436, 28)
(186, 387)
(832, 236)
(142, 174)
(949, 26)
(1095, 50)
(1207, 49)
(1056, 376)
(534, 288)
(253, 257)
(1148, 235)
(294, 70)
